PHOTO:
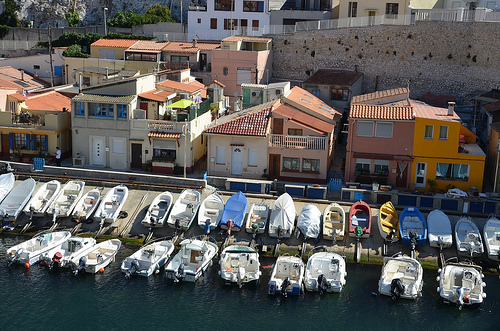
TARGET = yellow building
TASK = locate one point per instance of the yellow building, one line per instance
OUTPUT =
(445, 154)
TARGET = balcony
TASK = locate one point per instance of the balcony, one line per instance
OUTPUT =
(297, 142)
(26, 119)
(197, 7)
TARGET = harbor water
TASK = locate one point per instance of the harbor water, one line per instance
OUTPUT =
(39, 299)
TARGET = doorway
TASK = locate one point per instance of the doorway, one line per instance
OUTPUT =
(236, 161)
(136, 162)
(98, 151)
(274, 166)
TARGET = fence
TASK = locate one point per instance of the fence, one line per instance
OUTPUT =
(456, 15)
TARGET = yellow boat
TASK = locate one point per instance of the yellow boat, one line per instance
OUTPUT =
(334, 222)
(388, 222)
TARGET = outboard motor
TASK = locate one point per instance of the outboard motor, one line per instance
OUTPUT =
(397, 288)
(179, 273)
(134, 267)
(177, 223)
(81, 265)
(280, 231)
(413, 239)
(322, 284)
(56, 260)
(460, 297)
(14, 256)
(229, 225)
(152, 220)
(207, 226)
(284, 286)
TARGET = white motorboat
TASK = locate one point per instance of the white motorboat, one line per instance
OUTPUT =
(210, 212)
(86, 205)
(439, 229)
(31, 251)
(111, 205)
(184, 210)
(6, 184)
(257, 217)
(325, 272)
(98, 257)
(158, 210)
(192, 260)
(491, 233)
(309, 222)
(334, 222)
(148, 259)
(282, 219)
(401, 277)
(66, 200)
(12, 205)
(287, 276)
(71, 249)
(468, 238)
(42, 199)
(461, 283)
(239, 265)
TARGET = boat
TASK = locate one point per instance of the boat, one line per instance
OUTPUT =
(234, 212)
(257, 217)
(412, 227)
(333, 222)
(86, 206)
(325, 272)
(148, 259)
(6, 184)
(239, 265)
(111, 205)
(158, 210)
(66, 200)
(184, 210)
(401, 277)
(282, 219)
(439, 229)
(388, 222)
(360, 220)
(13, 203)
(287, 276)
(98, 257)
(461, 283)
(491, 232)
(468, 238)
(210, 212)
(71, 249)
(42, 199)
(192, 260)
(31, 251)
(309, 222)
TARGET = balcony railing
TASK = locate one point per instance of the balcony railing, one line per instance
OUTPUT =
(297, 142)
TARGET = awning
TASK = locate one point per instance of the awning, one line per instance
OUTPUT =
(164, 135)
(183, 103)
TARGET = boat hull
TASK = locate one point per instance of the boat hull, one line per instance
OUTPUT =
(407, 271)
(334, 222)
(411, 219)
(360, 215)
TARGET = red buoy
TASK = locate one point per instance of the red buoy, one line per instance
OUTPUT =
(101, 270)
(27, 265)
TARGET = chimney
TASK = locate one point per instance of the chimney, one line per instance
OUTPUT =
(451, 108)
(194, 42)
(22, 75)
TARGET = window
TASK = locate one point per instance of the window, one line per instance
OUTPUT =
(224, 5)
(164, 155)
(255, 25)
(225, 71)
(20, 141)
(420, 174)
(118, 146)
(101, 109)
(291, 164)
(381, 167)
(199, 21)
(365, 129)
(295, 132)
(353, 9)
(230, 24)
(450, 171)
(213, 23)
(443, 132)
(391, 10)
(86, 80)
(36, 67)
(179, 59)
(383, 130)
(122, 111)
(13, 107)
(310, 165)
(253, 157)
(147, 57)
(79, 109)
(253, 6)
(429, 131)
(40, 142)
(220, 157)
(362, 166)
(339, 94)
(243, 75)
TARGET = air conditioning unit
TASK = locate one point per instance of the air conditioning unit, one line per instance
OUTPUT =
(254, 94)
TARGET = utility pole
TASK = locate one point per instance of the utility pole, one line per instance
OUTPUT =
(50, 57)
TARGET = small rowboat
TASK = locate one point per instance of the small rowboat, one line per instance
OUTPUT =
(158, 210)
(86, 206)
(257, 218)
(334, 222)
(360, 220)
(210, 212)
(468, 238)
(388, 222)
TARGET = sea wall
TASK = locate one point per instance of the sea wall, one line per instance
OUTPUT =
(447, 58)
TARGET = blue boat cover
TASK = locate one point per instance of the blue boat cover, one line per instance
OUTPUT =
(235, 209)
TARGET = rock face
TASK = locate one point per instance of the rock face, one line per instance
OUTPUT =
(91, 12)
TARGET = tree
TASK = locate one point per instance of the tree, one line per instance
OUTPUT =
(75, 51)
(154, 14)
(9, 16)
(73, 19)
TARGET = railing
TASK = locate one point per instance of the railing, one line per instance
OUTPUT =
(158, 126)
(297, 142)
(457, 15)
(197, 8)
(28, 120)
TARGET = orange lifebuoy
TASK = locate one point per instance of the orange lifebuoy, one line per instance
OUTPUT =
(228, 270)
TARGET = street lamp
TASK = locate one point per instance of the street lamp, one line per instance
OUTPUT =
(105, 27)
(185, 133)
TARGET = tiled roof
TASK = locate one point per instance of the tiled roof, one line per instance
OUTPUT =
(104, 98)
(179, 47)
(17, 96)
(207, 46)
(367, 98)
(423, 110)
(313, 103)
(157, 95)
(493, 106)
(334, 77)
(172, 85)
(13, 79)
(381, 112)
(248, 124)
(304, 119)
(147, 45)
(164, 135)
(217, 82)
(202, 86)
(123, 43)
(48, 101)
(247, 38)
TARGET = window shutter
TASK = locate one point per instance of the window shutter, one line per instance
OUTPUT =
(11, 140)
(33, 142)
(46, 143)
(28, 136)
